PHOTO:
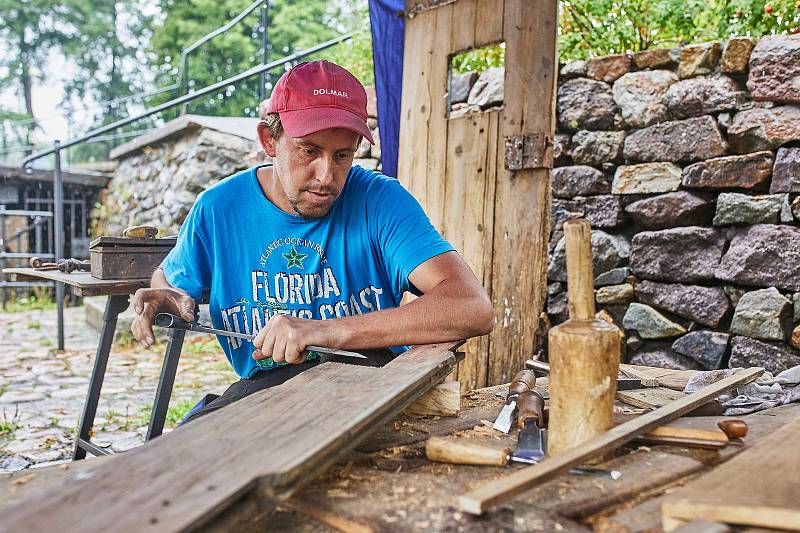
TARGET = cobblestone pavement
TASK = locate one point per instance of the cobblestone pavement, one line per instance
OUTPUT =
(42, 391)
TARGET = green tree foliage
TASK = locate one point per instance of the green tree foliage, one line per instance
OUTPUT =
(599, 27)
(293, 25)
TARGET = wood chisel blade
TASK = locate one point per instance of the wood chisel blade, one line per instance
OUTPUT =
(530, 444)
(505, 418)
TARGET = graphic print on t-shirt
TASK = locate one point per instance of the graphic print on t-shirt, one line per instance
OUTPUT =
(294, 278)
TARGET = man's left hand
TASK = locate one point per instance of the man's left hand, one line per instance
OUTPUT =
(285, 338)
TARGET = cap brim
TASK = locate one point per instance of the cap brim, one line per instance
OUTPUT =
(302, 122)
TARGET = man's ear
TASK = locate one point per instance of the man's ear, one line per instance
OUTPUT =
(266, 139)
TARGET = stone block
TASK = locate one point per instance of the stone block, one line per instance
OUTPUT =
(460, 85)
(705, 305)
(608, 68)
(557, 308)
(601, 211)
(689, 140)
(608, 251)
(615, 276)
(775, 69)
(786, 172)
(561, 149)
(641, 96)
(750, 171)
(703, 96)
(736, 55)
(597, 147)
(699, 59)
(775, 357)
(763, 314)
(649, 323)
(658, 58)
(763, 256)
(488, 90)
(578, 180)
(706, 347)
(584, 104)
(735, 208)
(674, 209)
(681, 254)
(660, 355)
(614, 294)
(764, 128)
(646, 178)
(573, 69)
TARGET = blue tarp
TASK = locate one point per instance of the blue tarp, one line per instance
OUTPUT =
(388, 30)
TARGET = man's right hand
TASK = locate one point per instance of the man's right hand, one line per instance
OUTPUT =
(148, 302)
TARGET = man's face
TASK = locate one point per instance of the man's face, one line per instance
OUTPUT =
(309, 172)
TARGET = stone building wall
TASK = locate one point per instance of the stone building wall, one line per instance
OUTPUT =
(156, 183)
(687, 164)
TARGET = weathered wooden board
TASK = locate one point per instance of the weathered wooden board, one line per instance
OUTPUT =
(759, 487)
(273, 441)
(83, 283)
(666, 377)
(442, 400)
(497, 219)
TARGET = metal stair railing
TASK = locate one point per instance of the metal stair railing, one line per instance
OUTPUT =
(58, 185)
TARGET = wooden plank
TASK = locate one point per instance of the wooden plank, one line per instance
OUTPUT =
(522, 199)
(478, 500)
(83, 282)
(274, 441)
(442, 400)
(759, 487)
(649, 398)
(666, 377)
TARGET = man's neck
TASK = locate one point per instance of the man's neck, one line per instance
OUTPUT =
(269, 185)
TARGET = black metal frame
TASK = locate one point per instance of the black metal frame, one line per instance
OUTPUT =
(115, 305)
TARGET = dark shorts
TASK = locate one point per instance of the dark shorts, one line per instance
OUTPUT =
(244, 387)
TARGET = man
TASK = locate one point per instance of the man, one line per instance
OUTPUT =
(311, 250)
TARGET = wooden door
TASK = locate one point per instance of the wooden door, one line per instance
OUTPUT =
(498, 219)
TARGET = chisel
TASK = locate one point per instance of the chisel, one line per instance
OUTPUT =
(522, 382)
(530, 419)
(168, 320)
(462, 452)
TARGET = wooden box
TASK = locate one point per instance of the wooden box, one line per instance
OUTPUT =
(127, 258)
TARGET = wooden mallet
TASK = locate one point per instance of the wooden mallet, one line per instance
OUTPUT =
(584, 354)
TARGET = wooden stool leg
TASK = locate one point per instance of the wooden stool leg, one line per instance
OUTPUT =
(165, 383)
(116, 304)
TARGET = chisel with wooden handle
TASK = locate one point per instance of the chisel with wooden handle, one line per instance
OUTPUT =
(522, 382)
(460, 452)
(530, 419)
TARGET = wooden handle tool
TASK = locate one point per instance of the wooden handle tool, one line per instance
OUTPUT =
(530, 407)
(462, 452)
(524, 381)
(584, 355)
(734, 428)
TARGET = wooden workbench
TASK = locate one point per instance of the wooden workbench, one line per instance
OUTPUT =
(388, 485)
(82, 283)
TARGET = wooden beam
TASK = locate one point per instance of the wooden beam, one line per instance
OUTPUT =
(442, 400)
(480, 499)
(274, 442)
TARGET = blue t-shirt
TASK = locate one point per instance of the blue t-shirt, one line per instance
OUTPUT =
(258, 260)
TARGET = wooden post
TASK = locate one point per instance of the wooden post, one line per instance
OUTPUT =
(584, 355)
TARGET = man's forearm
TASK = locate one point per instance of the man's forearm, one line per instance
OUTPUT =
(159, 281)
(446, 313)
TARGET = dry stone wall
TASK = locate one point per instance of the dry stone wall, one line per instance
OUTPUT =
(686, 162)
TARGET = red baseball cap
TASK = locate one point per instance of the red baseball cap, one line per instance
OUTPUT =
(319, 95)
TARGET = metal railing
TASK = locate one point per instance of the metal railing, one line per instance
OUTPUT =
(58, 185)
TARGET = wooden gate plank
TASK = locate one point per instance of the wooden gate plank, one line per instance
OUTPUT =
(276, 441)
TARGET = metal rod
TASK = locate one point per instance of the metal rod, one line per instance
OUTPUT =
(262, 79)
(58, 240)
(193, 96)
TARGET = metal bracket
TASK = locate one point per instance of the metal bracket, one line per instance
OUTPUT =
(531, 150)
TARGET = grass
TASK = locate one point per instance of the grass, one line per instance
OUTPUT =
(201, 347)
(7, 429)
(175, 414)
(41, 300)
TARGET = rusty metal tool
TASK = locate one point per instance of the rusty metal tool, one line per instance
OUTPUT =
(522, 382)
